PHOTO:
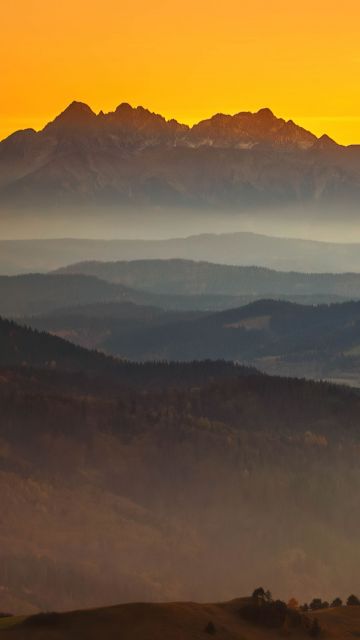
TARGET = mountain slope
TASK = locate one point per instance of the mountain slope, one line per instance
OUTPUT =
(24, 347)
(132, 157)
(21, 346)
(184, 492)
(277, 337)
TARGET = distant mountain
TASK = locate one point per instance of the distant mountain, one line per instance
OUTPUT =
(245, 249)
(185, 277)
(134, 157)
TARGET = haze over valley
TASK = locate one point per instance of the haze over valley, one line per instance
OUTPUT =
(179, 320)
(133, 173)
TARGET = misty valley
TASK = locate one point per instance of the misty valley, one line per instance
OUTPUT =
(179, 412)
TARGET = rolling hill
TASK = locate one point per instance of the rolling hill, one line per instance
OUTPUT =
(180, 621)
(187, 277)
(29, 349)
(180, 285)
(277, 337)
(93, 324)
(244, 249)
(34, 294)
(82, 295)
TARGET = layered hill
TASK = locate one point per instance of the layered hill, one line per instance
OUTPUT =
(243, 249)
(34, 294)
(180, 285)
(134, 157)
(21, 346)
(278, 337)
(187, 277)
(82, 295)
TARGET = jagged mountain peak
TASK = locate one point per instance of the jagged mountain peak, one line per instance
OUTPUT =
(142, 125)
(76, 114)
(325, 142)
(265, 112)
(124, 107)
(139, 114)
(126, 111)
(247, 129)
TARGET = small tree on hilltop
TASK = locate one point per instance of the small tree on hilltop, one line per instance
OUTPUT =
(316, 604)
(353, 601)
(261, 594)
(268, 596)
(337, 602)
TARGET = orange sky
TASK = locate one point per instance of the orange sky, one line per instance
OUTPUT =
(186, 59)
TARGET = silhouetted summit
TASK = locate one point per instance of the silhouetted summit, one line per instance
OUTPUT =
(76, 114)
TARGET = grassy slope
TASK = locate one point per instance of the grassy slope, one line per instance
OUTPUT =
(341, 622)
(175, 621)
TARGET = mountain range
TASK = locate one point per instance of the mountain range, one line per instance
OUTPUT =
(134, 157)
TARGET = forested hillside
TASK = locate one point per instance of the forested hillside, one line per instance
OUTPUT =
(187, 491)
(275, 336)
(31, 349)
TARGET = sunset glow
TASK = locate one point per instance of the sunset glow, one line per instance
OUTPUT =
(184, 59)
